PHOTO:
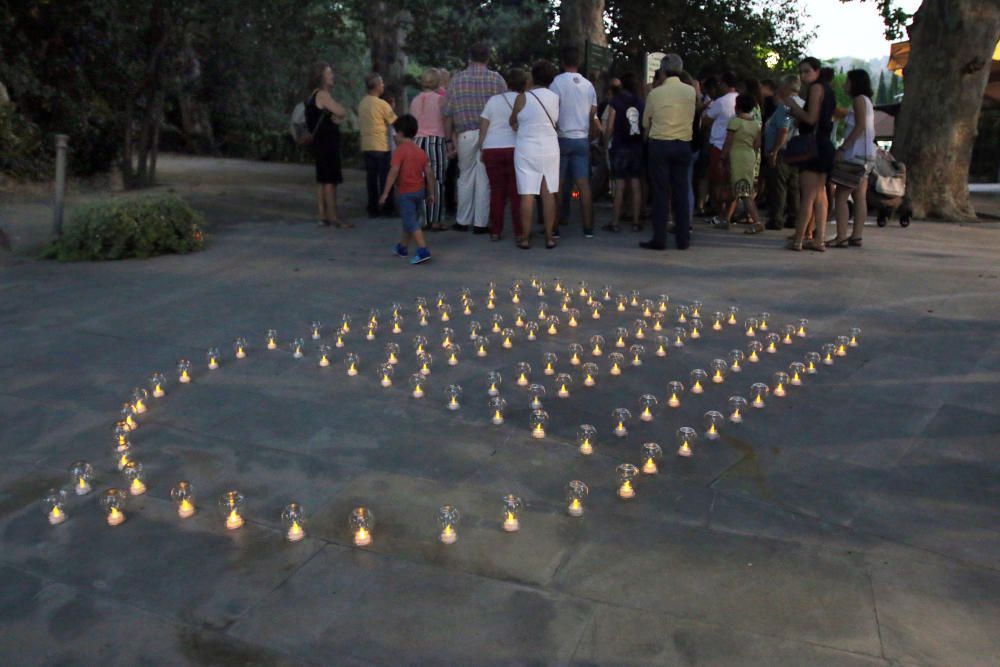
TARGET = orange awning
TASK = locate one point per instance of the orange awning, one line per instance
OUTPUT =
(899, 55)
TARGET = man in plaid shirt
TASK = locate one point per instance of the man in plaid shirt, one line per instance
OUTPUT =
(463, 103)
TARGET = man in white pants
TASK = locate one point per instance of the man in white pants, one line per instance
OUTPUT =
(463, 103)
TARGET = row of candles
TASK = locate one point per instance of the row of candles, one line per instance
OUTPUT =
(361, 521)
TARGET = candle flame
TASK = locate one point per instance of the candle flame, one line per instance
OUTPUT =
(362, 536)
(234, 520)
(81, 483)
(649, 467)
(732, 319)
(396, 329)
(497, 416)
(750, 331)
(448, 531)
(453, 402)
(392, 358)
(697, 387)
(625, 490)
(717, 325)
(186, 508)
(56, 513)
(621, 307)
(295, 532)
(712, 429)
(575, 504)
(771, 348)
(597, 350)
(736, 415)
(718, 376)
(572, 321)
(801, 331)
(518, 322)
(646, 412)
(468, 309)
(552, 330)
(753, 356)
(115, 516)
(588, 380)
(682, 318)
(621, 342)
(515, 299)
(137, 488)
(647, 312)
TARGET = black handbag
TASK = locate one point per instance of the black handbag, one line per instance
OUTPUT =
(801, 148)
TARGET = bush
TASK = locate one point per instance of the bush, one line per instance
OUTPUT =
(141, 227)
(22, 155)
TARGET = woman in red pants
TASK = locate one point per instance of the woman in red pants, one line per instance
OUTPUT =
(497, 153)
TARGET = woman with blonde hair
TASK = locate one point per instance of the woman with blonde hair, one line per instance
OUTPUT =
(426, 108)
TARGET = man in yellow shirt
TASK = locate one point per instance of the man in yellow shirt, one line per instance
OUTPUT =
(374, 118)
(669, 121)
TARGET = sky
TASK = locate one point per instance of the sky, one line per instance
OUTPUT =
(854, 29)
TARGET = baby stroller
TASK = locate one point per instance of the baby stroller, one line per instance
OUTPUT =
(887, 189)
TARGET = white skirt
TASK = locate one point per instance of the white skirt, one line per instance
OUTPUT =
(531, 169)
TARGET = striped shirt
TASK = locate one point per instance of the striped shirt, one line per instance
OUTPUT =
(467, 95)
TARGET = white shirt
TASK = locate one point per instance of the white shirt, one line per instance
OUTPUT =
(535, 134)
(720, 111)
(864, 147)
(497, 111)
(576, 99)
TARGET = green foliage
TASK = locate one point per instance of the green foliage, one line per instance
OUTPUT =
(895, 18)
(121, 228)
(22, 156)
(882, 93)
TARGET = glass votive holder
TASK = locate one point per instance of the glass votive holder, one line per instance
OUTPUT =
(621, 337)
(656, 322)
(444, 312)
(371, 328)
(842, 342)
(635, 354)
(552, 325)
(718, 320)
(498, 408)
(512, 513)
(520, 317)
(448, 520)
(696, 307)
(345, 324)
(796, 372)
(662, 346)
(597, 345)
(737, 407)
(491, 289)
(575, 354)
(674, 391)
(507, 338)
(854, 337)
(718, 369)
(139, 398)
(496, 323)
(802, 328)
(537, 393)
(625, 474)
(55, 506)
(634, 298)
(779, 384)
(184, 371)
(616, 360)
(662, 303)
(679, 336)
(750, 326)
(586, 438)
(384, 374)
(650, 455)
(558, 286)
(392, 353)
(397, 324)
(595, 310)
(694, 328)
(425, 361)
(621, 303)
(183, 496)
(271, 339)
(621, 417)
(419, 344)
(453, 393)
(647, 407)
(293, 521)
(549, 361)
(136, 478)
(606, 293)
(113, 503)
(539, 420)
(828, 351)
(361, 523)
(648, 307)
(588, 374)
(772, 341)
(698, 380)
(531, 330)
(683, 313)
(572, 317)
(685, 438)
(542, 312)
(81, 476)
(447, 337)
(298, 348)
(482, 346)
(523, 373)
(564, 382)
(240, 348)
(764, 320)
(212, 358)
(418, 384)
(324, 355)
(758, 394)
(788, 334)
(454, 354)
(754, 350)
(493, 381)
(639, 328)
(576, 492)
(475, 329)
(732, 314)
(712, 421)
(812, 362)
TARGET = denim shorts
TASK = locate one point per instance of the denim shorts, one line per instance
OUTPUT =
(411, 204)
(574, 159)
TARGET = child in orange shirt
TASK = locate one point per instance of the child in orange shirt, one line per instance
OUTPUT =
(410, 166)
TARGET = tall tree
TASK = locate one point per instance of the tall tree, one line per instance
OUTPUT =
(893, 88)
(582, 21)
(881, 93)
(951, 47)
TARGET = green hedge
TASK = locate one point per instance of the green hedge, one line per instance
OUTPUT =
(121, 228)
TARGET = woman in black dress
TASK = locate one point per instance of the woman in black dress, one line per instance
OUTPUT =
(323, 118)
(815, 118)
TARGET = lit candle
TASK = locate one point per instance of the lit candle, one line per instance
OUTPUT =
(621, 417)
(576, 491)
(113, 502)
(585, 438)
(842, 344)
(828, 351)
(448, 519)
(589, 371)
(737, 405)
(115, 516)
(185, 509)
(717, 319)
(416, 385)
(507, 340)
(137, 488)
(453, 392)
(370, 335)
(292, 519)
(213, 359)
(241, 348)
(136, 478)
(385, 373)
(597, 345)
(316, 326)
(511, 509)
(763, 319)
(661, 346)
(55, 504)
(539, 419)
(646, 415)
(855, 333)
(626, 472)
(695, 329)
(651, 453)
(754, 348)
(674, 389)
(750, 327)
(698, 377)
(490, 305)
(563, 381)
(800, 328)
(616, 359)
(685, 438)
(758, 392)
(156, 382)
(56, 515)
(295, 532)
(272, 339)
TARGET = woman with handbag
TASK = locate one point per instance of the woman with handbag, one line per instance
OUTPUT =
(854, 159)
(536, 151)
(813, 152)
(323, 117)
(496, 150)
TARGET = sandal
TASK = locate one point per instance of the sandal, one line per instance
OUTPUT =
(756, 229)
(611, 228)
(794, 245)
(837, 243)
(340, 224)
(524, 244)
(813, 245)
(854, 243)
(494, 237)
(550, 244)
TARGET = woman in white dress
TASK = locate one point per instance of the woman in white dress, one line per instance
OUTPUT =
(536, 151)
(854, 160)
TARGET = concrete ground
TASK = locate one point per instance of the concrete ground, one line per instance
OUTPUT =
(854, 522)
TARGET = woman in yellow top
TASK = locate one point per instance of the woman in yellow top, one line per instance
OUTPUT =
(740, 150)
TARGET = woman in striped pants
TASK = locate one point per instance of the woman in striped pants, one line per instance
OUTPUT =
(426, 108)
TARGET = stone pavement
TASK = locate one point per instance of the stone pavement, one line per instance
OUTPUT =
(854, 522)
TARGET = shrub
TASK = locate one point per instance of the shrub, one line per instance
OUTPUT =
(143, 226)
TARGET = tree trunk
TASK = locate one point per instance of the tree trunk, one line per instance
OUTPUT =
(951, 46)
(582, 21)
(386, 26)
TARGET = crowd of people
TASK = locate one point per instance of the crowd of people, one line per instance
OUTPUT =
(536, 141)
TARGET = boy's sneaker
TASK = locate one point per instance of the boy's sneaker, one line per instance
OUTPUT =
(423, 254)
(400, 251)
(588, 233)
